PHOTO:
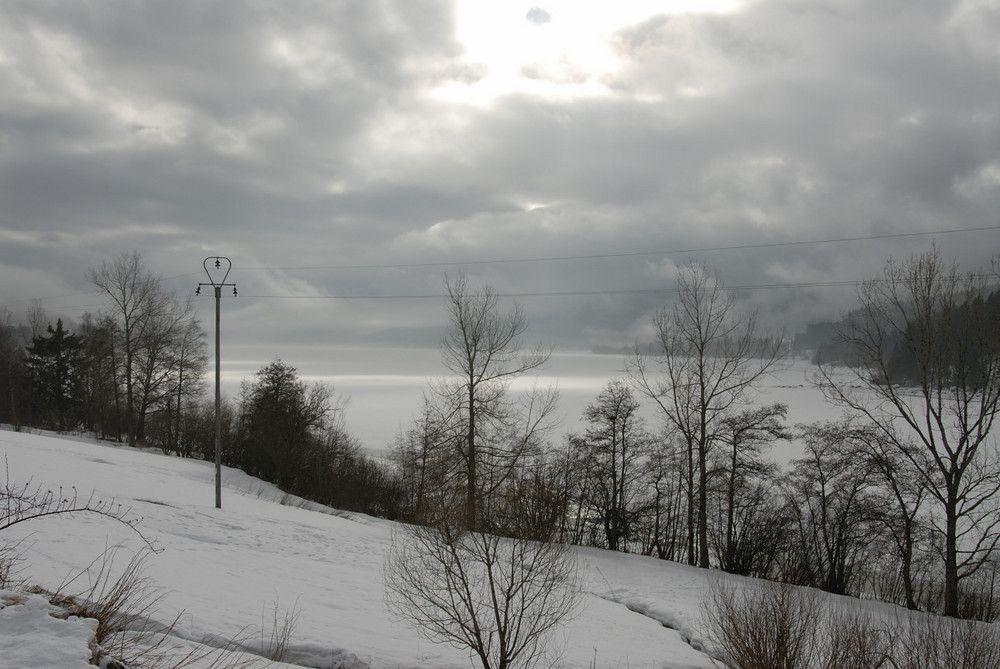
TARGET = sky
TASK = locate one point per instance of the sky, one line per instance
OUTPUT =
(347, 156)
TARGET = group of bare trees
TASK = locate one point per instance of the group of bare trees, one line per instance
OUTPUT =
(900, 497)
(928, 387)
(897, 498)
(157, 347)
(128, 372)
(711, 358)
(620, 484)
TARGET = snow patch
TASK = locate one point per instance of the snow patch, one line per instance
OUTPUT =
(35, 634)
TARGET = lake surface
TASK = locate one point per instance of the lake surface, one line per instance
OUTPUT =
(385, 385)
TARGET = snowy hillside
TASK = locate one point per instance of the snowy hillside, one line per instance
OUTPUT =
(229, 570)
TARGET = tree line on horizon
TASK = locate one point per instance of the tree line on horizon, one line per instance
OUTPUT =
(898, 499)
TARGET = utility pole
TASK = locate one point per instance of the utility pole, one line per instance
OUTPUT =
(222, 267)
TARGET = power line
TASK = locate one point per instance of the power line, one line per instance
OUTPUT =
(632, 254)
(599, 292)
(555, 293)
(500, 261)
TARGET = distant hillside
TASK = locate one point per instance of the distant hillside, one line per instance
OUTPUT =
(821, 345)
(815, 336)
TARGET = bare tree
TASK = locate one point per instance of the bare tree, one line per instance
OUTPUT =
(176, 383)
(190, 359)
(926, 338)
(832, 503)
(38, 320)
(482, 348)
(423, 455)
(499, 598)
(711, 358)
(905, 495)
(14, 378)
(160, 361)
(99, 384)
(613, 450)
(148, 319)
(662, 527)
(745, 474)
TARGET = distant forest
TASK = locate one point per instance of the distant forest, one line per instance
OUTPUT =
(824, 345)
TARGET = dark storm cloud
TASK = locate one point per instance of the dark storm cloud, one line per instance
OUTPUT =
(186, 104)
(291, 134)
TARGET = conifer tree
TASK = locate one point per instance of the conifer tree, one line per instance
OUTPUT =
(54, 362)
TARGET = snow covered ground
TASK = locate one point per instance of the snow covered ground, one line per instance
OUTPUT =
(229, 569)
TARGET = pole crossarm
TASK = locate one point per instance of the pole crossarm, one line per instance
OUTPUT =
(217, 279)
(223, 266)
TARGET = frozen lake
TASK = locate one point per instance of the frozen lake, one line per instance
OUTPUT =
(385, 385)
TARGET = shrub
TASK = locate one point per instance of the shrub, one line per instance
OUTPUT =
(765, 626)
(937, 642)
(498, 598)
(778, 626)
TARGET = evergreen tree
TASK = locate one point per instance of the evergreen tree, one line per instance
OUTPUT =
(54, 363)
(282, 424)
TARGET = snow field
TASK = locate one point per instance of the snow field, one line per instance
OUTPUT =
(231, 569)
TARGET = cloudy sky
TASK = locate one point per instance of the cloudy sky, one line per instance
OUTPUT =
(346, 155)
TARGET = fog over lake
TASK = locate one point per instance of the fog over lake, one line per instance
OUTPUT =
(385, 385)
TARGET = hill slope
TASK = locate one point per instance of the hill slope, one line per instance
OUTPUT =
(229, 568)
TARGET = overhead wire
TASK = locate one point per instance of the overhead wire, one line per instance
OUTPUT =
(587, 293)
(631, 254)
(570, 293)
(635, 291)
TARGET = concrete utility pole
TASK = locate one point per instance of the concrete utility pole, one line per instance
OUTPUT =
(221, 269)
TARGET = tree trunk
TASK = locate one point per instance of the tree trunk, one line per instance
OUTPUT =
(703, 560)
(951, 557)
(907, 572)
(729, 552)
(129, 401)
(471, 520)
(690, 505)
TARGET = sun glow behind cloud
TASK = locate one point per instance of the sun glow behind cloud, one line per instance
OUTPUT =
(558, 49)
